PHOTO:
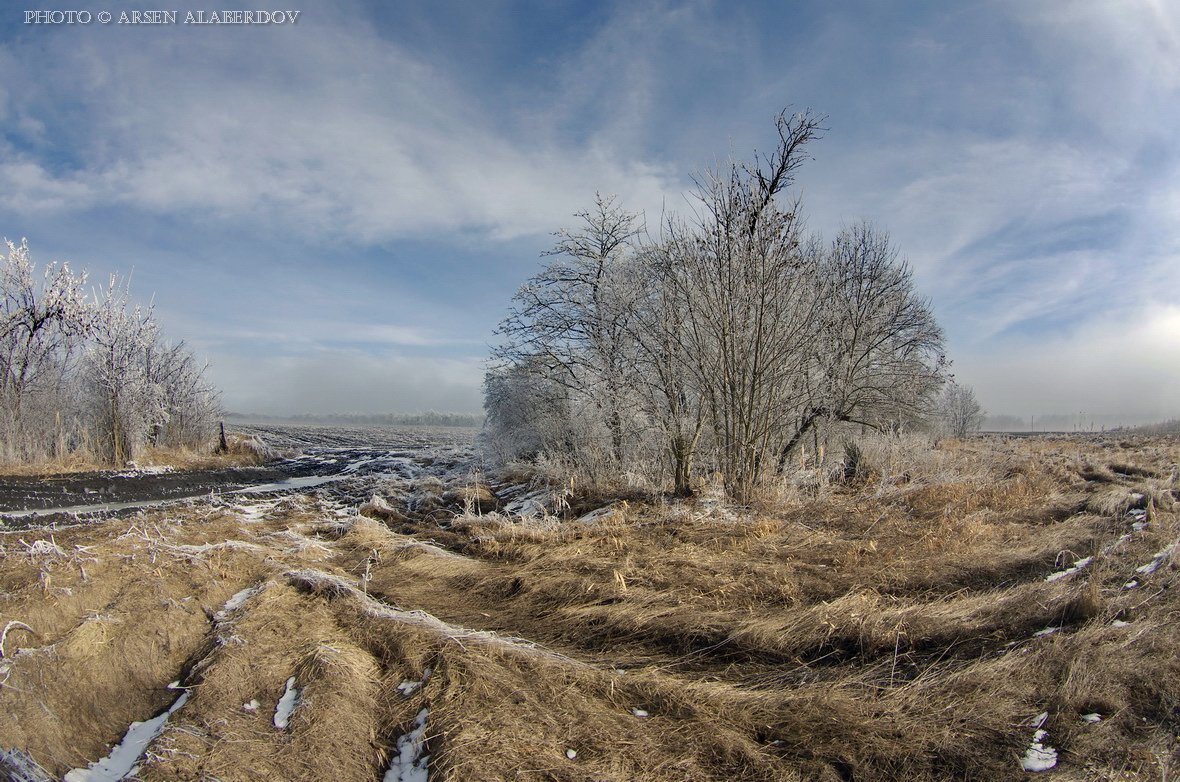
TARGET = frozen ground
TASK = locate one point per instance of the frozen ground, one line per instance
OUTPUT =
(344, 461)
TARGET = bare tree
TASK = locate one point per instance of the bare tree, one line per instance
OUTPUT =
(731, 330)
(877, 357)
(661, 370)
(960, 412)
(78, 372)
(750, 304)
(570, 322)
(126, 404)
(42, 324)
(191, 404)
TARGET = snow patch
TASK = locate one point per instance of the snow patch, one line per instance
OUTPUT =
(532, 504)
(252, 706)
(409, 765)
(1092, 717)
(1046, 631)
(408, 687)
(286, 705)
(1160, 558)
(1081, 563)
(236, 602)
(597, 515)
(1039, 756)
(124, 757)
(639, 713)
(134, 471)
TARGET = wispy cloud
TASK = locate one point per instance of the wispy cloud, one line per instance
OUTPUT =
(328, 132)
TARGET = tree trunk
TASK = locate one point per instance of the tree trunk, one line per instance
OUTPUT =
(681, 451)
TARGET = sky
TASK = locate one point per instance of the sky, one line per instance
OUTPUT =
(336, 212)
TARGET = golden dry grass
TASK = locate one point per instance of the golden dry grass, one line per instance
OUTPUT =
(887, 630)
(240, 454)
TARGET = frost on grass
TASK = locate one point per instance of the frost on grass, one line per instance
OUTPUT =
(286, 705)
(598, 515)
(333, 586)
(409, 765)
(1039, 756)
(126, 754)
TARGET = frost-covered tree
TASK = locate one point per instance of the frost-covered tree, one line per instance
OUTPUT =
(570, 324)
(90, 373)
(727, 340)
(749, 304)
(959, 411)
(191, 404)
(126, 404)
(662, 371)
(43, 321)
(877, 354)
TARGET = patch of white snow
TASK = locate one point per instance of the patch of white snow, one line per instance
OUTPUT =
(236, 602)
(409, 765)
(286, 705)
(1039, 756)
(1160, 558)
(408, 687)
(126, 754)
(1081, 563)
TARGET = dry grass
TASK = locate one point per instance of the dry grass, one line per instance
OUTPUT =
(890, 629)
(243, 451)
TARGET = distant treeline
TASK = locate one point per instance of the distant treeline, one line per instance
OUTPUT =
(1171, 426)
(1068, 422)
(427, 418)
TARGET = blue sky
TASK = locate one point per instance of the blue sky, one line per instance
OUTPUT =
(337, 212)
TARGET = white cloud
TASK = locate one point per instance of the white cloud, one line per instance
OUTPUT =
(325, 133)
(29, 187)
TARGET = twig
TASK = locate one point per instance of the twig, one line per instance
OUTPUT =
(13, 625)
